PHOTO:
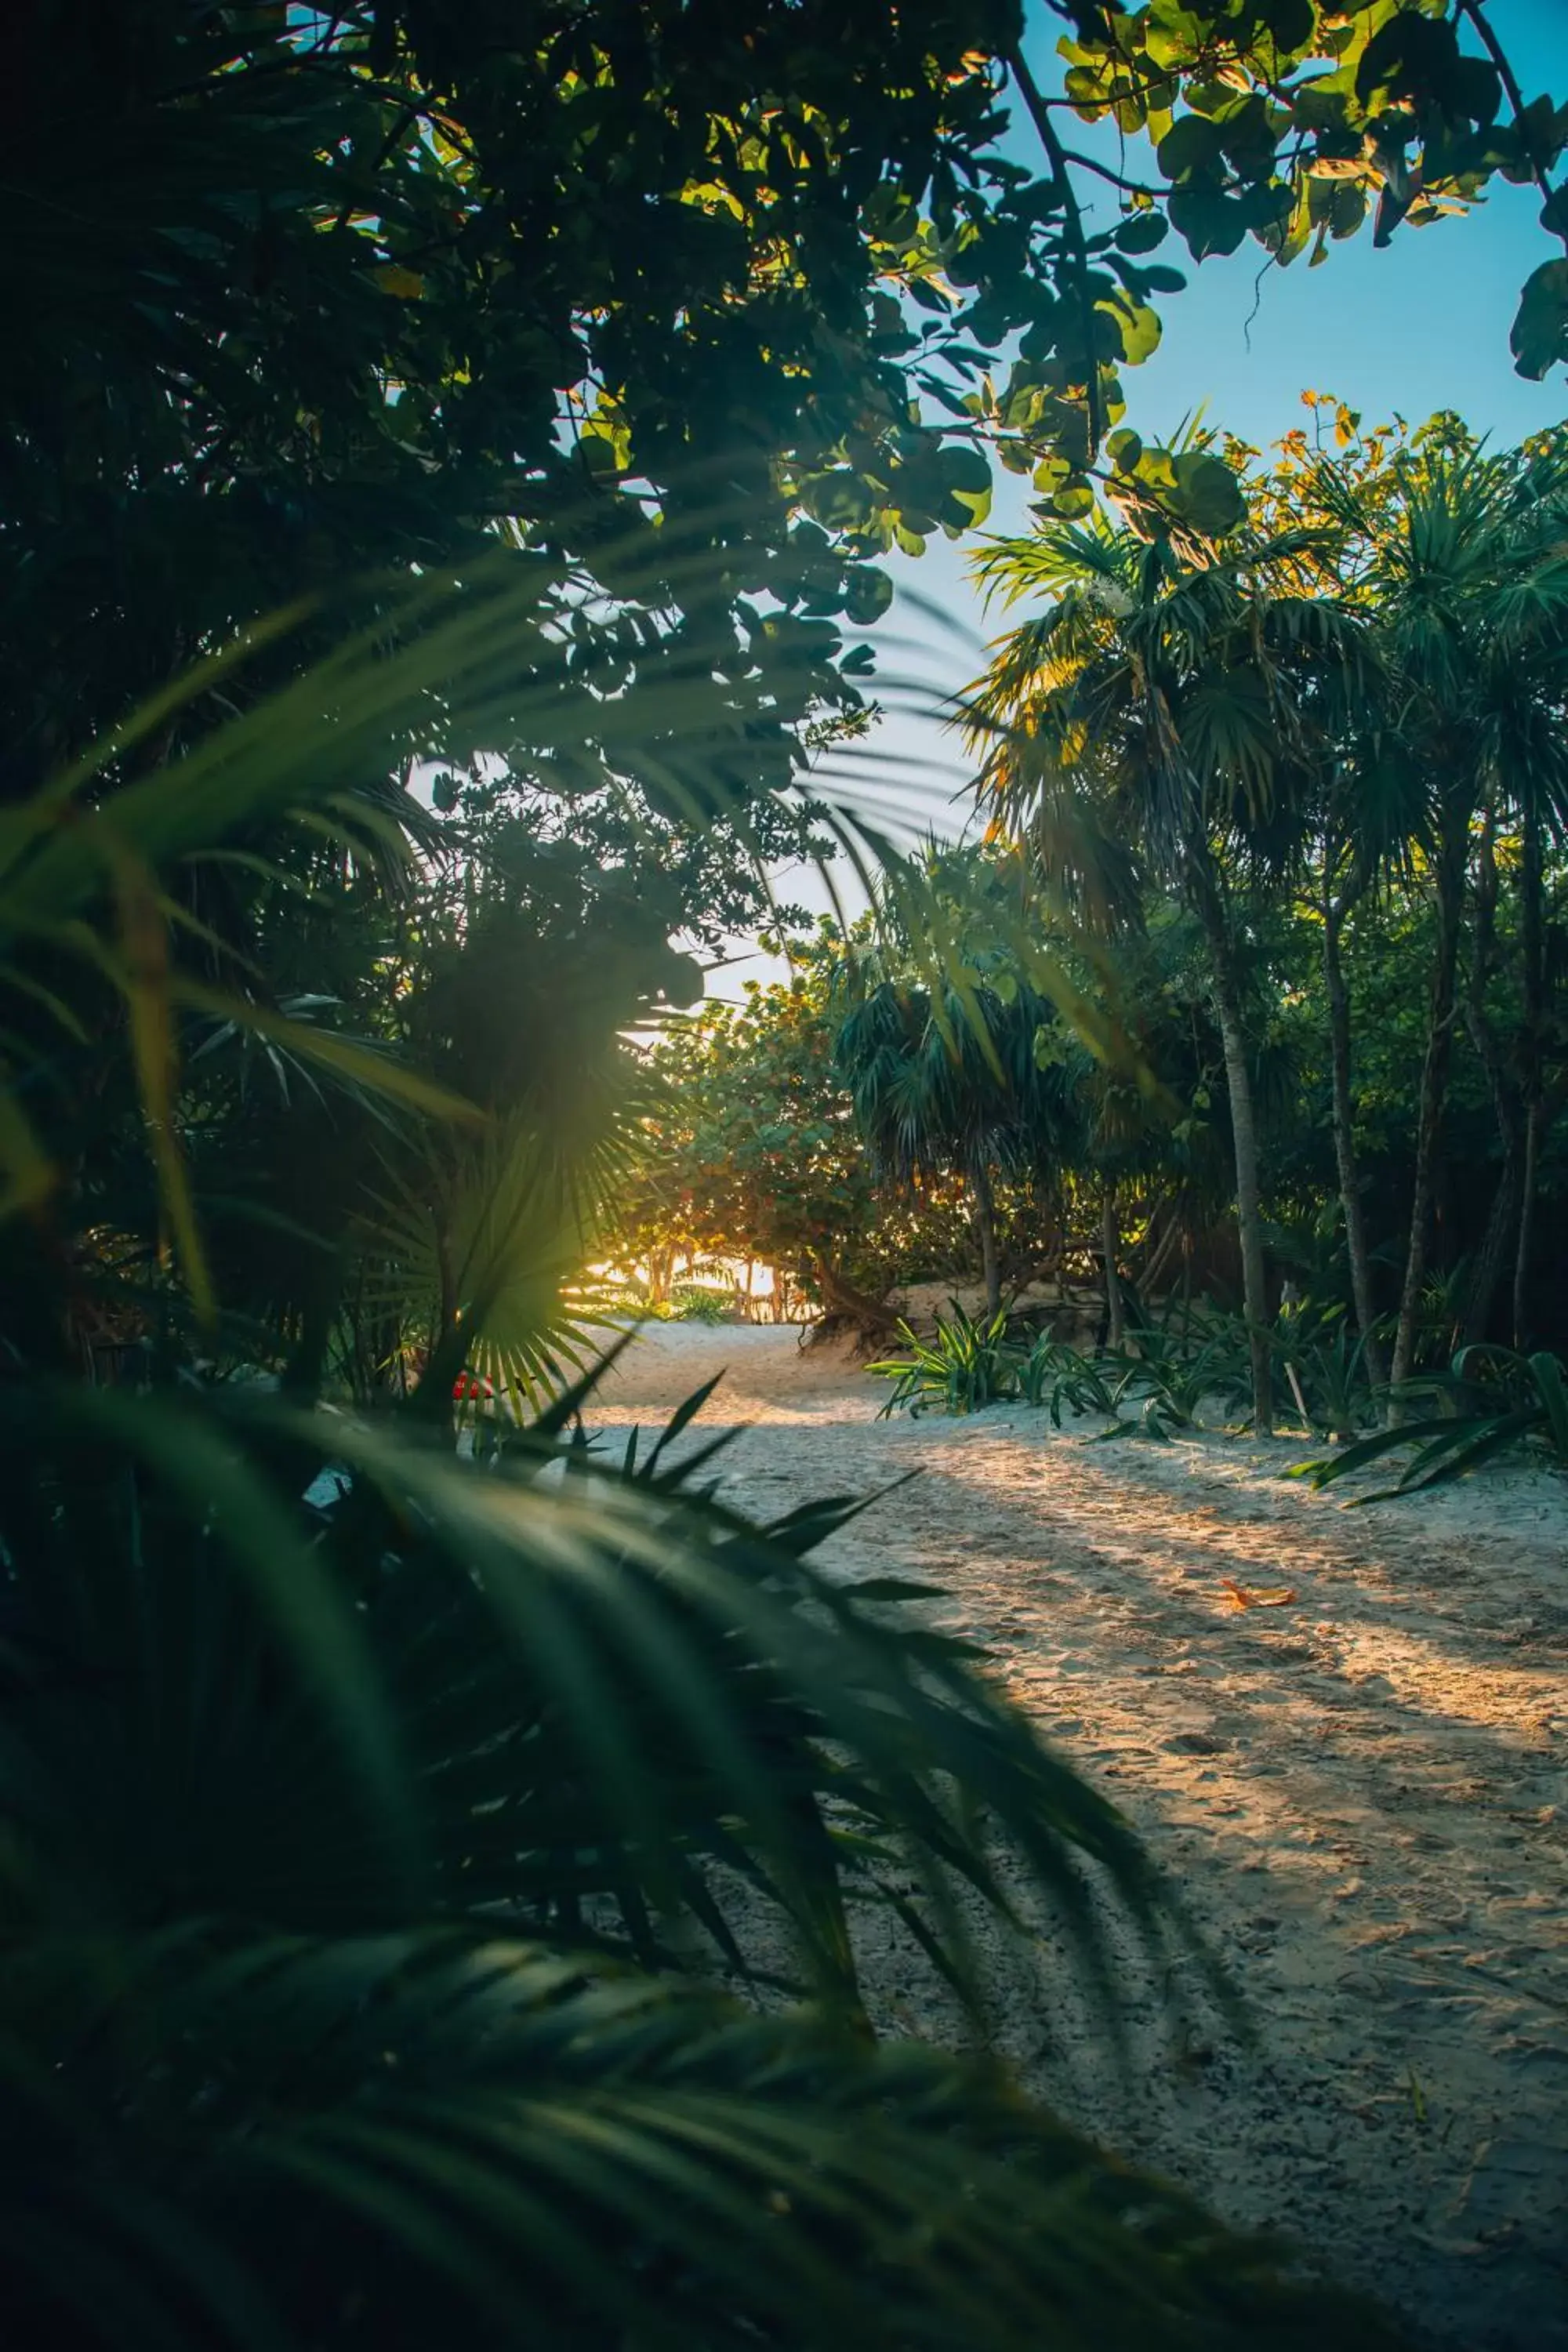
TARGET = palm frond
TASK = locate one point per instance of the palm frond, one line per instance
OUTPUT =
(438, 2130)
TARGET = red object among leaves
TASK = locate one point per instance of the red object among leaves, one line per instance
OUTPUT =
(468, 1386)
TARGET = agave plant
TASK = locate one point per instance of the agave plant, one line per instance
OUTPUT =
(1152, 1387)
(1327, 1369)
(966, 1364)
(1068, 1379)
(1492, 1401)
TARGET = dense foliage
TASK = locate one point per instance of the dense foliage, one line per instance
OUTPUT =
(444, 451)
(1297, 806)
(1358, 694)
(748, 1150)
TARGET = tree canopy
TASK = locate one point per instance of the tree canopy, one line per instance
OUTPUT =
(447, 448)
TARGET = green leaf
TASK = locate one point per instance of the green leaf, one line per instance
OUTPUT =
(1074, 498)
(1208, 496)
(963, 469)
(1137, 327)
(198, 1459)
(1192, 145)
(1140, 232)
(1291, 23)
(406, 285)
(1210, 223)
(1540, 336)
(1553, 1391)
(868, 592)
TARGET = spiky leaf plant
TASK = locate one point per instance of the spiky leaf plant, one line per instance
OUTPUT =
(1492, 1401)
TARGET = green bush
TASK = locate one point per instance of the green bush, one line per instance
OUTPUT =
(693, 1303)
(966, 1365)
(1492, 1401)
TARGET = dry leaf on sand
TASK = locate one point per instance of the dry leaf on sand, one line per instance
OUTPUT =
(1258, 1596)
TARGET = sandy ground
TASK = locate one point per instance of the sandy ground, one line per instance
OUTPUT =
(1363, 1796)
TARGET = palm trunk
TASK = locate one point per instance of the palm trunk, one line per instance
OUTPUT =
(1161, 1255)
(1110, 1244)
(1433, 1086)
(1493, 1255)
(1335, 909)
(660, 1276)
(1523, 1319)
(1488, 1266)
(985, 1232)
(1244, 1133)
(1531, 941)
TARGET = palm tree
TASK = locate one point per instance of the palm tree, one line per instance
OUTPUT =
(1362, 832)
(1456, 555)
(947, 1078)
(1157, 722)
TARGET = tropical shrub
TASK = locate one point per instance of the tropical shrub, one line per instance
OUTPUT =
(1492, 1401)
(376, 1824)
(966, 1364)
(1150, 1395)
(1326, 1367)
(1065, 1379)
(691, 1303)
(747, 1147)
(1158, 1384)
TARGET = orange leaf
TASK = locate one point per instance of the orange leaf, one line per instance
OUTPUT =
(1258, 1596)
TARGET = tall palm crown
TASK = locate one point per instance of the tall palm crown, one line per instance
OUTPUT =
(936, 1083)
(1172, 702)
(952, 1080)
(1461, 556)
(1160, 703)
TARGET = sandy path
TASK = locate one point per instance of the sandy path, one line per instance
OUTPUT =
(1363, 1796)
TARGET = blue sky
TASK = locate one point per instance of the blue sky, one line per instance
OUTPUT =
(1421, 325)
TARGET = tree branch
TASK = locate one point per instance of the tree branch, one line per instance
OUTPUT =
(1476, 12)
(1073, 230)
(1117, 179)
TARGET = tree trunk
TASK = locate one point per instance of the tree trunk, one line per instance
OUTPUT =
(1110, 1243)
(1244, 1132)
(1165, 1250)
(1531, 941)
(1493, 1255)
(1433, 1086)
(843, 1298)
(1490, 1261)
(1335, 909)
(985, 1233)
(1530, 1176)
(661, 1275)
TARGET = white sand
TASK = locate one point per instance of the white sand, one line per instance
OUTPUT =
(1363, 1796)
